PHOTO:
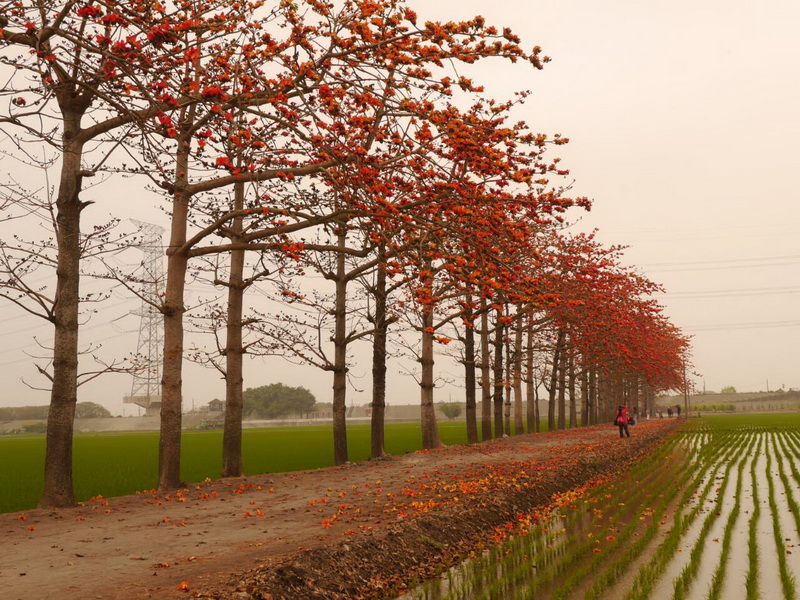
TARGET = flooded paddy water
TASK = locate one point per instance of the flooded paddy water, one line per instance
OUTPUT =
(712, 513)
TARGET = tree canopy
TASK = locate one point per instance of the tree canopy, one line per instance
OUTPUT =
(90, 410)
(277, 400)
(451, 410)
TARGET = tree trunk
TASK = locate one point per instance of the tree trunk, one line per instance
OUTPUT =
(593, 399)
(586, 406)
(507, 390)
(58, 490)
(519, 427)
(609, 395)
(340, 355)
(430, 432)
(562, 381)
(530, 381)
(169, 444)
(379, 362)
(498, 377)
(537, 417)
(622, 391)
(486, 392)
(608, 398)
(573, 411)
(469, 375)
(551, 400)
(234, 352)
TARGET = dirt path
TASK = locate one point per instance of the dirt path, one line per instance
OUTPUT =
(342, 532)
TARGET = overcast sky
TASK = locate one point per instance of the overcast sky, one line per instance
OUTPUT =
(684, 127)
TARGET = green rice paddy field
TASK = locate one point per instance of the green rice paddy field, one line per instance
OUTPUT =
(712, 513)
(114, 464)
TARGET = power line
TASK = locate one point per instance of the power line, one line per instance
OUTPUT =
(727, 267)
(732, 326)
(694, 230)
(723, 261)
(780, 288)
(734, 293)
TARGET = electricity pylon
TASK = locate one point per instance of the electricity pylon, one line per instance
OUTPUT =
(146, 388)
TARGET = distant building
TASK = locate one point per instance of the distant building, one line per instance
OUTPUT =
(216, 406)
(150, 404)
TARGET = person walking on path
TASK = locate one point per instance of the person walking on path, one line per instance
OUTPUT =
(621, 419)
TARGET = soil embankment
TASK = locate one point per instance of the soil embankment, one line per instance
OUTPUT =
(356, 531)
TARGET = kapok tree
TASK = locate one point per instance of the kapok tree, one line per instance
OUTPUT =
(66, 62)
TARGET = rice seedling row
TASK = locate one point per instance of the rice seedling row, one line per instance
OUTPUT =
(718, 577)
(751, 580)
(787, 580)
(790, 500)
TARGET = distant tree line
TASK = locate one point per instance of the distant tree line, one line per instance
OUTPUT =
(83, 410)
(714, 407)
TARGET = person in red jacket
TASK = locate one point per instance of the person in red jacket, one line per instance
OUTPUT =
(621, 419)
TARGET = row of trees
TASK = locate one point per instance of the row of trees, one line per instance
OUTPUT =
(294, 141)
